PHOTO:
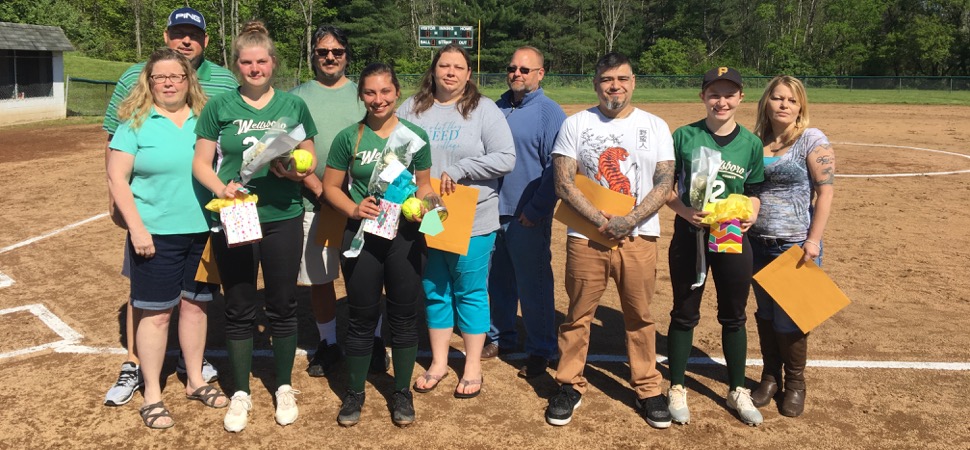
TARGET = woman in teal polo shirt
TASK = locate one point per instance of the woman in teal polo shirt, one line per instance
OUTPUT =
(238, 120)
(150, 181)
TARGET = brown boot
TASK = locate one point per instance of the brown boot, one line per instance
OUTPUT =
(771, 371)
(794, 352)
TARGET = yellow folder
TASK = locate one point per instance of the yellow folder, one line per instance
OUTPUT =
(208, 272)
(461, 216)
(330, 226)
(603, 199)
(802, 289)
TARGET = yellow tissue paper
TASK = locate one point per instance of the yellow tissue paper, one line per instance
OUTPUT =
(735, 206)
(216, 204)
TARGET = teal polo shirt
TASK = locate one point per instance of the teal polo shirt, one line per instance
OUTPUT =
(168, 198)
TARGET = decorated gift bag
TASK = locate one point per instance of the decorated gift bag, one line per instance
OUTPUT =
(385, 225)
(241, 223)
(725, 220)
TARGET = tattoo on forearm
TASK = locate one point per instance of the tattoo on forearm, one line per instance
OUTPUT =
(663, 180)
(565, 181)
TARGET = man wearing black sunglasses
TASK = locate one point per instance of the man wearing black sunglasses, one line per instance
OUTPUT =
(332, 99)
(522, 261)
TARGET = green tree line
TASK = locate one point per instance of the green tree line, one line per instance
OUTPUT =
(672, 37)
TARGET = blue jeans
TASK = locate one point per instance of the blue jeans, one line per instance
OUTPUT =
(521, 273)
(765, 251)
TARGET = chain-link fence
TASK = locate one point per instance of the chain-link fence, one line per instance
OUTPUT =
(90, 97)
(25, 91)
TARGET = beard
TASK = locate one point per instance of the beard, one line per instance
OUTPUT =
(614, 103)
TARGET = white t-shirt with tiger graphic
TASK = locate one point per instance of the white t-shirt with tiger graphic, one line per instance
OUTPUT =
(619, 154)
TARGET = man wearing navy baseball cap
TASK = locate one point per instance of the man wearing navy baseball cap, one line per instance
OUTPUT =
(185, 33)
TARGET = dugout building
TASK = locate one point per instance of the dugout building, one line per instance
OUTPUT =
(32, 73)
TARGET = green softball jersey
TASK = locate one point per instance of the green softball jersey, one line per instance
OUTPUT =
(370, 148)
(236, 126)
(742, 160)
(214, 79)
(333, 109)
(167, 197)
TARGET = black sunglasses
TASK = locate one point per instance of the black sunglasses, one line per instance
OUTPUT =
(337, 52)
(522, 70)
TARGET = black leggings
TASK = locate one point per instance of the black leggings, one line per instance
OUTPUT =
(731, 273)
(279, 253)
(394, 266)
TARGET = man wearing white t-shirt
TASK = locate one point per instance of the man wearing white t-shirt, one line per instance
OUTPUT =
(629, 151)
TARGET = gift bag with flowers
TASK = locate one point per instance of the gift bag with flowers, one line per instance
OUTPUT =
(725, 220)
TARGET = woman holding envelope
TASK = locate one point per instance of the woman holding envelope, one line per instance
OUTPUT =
(150, 181)
(738, 169)
(471, 145)
(799, 167)
(392, 265)
(241, 121)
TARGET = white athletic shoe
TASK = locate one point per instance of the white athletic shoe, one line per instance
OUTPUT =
(286, 410)
(129, 381)
(238, 413)
(209, 372)
(740, 400)
(677, 404)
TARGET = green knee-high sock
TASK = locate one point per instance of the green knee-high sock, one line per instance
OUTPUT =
(284, 352)
(735, 344)
(679, 343)
(357, 371)
(240, 361)
(403, 360)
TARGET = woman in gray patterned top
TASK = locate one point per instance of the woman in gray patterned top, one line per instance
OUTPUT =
(799, 168)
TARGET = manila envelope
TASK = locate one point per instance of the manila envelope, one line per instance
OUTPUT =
(806, 293)
(208, 272)
(330, 226)
(603, 199)
(461, 216)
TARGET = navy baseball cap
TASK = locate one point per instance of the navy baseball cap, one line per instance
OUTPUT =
(722, 73)
(186, 16)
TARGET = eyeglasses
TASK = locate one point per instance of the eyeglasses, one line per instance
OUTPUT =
(337, 52)
(522, 70)
(176, 78)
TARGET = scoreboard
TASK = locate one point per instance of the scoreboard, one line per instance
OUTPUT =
(434, 36)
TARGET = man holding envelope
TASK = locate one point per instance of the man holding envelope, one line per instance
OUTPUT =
(628, 151)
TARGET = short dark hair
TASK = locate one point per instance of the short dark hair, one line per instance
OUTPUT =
(337, 33)
(611, 60)
(376, 69)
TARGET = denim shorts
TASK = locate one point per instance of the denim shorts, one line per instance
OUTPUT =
(160, 282)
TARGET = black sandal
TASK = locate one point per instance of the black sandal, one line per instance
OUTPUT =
(466, 383)
(208, 395)
(146, 416)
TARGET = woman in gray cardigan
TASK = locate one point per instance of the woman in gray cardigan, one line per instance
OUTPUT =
(471, 145)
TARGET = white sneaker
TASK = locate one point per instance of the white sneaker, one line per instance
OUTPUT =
(740, 400)
(238, 413)
(286, 410)
(209, 372)
(677, 404)
(129, 381)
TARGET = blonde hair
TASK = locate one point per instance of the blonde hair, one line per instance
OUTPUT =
(254, 34)
(138, 104)
(762, 127)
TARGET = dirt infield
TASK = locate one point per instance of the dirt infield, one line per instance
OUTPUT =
(896, 245)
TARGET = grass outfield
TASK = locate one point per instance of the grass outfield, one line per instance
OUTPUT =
(88, 99)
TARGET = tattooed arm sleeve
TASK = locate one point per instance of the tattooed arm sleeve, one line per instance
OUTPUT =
(565, 180)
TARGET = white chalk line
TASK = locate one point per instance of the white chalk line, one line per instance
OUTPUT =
(6, 281)
(912, 174)
(52, 233)
(67, 334)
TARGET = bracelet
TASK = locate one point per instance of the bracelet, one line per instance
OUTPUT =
(813, 243)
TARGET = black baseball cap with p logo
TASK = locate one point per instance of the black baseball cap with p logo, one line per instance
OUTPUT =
(722, 73)
(186, 16)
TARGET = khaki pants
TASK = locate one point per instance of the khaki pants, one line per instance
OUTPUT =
(633, 267)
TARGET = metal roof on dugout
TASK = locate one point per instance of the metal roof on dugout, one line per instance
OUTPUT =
(19, 36)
